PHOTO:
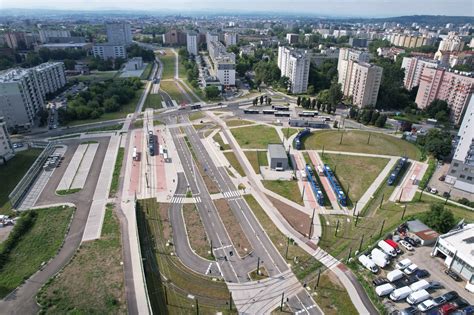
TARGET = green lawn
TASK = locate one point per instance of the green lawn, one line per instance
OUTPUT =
(239, 122)
(168, 61)
(356, 141)
(122, 113)
(115, 127)
(355, 172)
(173, 91)
(93, 281)
(223, 146)
(255, 137)
(12, 173)
(257, 159)
(285, 188)
(96, 76)
(230, 156)
(288, 132)
(153, 101)
(36, 245)
(147, 71)
(116, 174)
(196, 115)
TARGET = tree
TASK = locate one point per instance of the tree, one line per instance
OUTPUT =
(310, 90)
(284, 82)
(298, 101)
(439, 218)
(380, 122)
(211, 91)
(436, 142)
(335, 94)
(374, 117)
(269, 101)
(375, 44)
(437, 106)
(323, 97)
(261, 100)
(352, 113)
(313, 103)
(69, 64)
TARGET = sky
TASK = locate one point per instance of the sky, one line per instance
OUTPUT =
(362, 8)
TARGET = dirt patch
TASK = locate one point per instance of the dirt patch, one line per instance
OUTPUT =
(165, 220)
(196, 233)
(236, 234)
(297, 219)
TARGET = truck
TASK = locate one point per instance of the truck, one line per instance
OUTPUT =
(394, 245)
(387, 248)
(378, 258)
(368, 263)
(135, 154)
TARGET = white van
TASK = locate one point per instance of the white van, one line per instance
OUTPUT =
(367, 263)
(420, 285)
(403, 264)
(387, 248)
(380, 253)
(418, 297)
(394, 275)
(400, 294)
(410, 269)
(379, 260)
(384, 289)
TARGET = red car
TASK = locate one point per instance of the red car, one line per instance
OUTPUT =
(447, 308)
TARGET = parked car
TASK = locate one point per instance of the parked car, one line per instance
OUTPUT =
(380, 281)
(468, 310)
(394, 275)
(442, 178)
(406, 245)
(411, 241)
(460, 302)
(409, 311)
(446, 194)
(400, 294)
(435, 285)
(410, 269)
(384, 289)
(453, 275)
(402, 264)
(451, 295)
(422, 273)
(418, 297)
(433, 190)
(426, 305)
(447, 309)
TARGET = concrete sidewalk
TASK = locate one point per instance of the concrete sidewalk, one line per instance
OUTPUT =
(72, 168)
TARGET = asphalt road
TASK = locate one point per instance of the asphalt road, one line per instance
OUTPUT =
(23, 300)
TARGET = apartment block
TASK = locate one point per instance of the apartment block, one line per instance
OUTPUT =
(292, 38)
(22, 92)
(410, 41)
(461, 171)
(192, 43)
(451, 43)
(453, 87)
(119, 33)
(174, 37)
(211, 37)
(6, 148)
(231, 39)
(109, 51)
(364, 83)
(46, 36)
(344, 65)
(223, 63)
(413, 68)
(294, 64)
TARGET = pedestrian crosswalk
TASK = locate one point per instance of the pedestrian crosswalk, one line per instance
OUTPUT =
(231, 194)
(181, 199)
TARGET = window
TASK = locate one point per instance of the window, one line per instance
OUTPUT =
(469, 178)
(462, 176)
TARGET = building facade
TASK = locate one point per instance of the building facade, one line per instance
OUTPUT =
(46, 36)
(22, 92)
(451, 43)
(192, 43)
(461, 171)
(231, 39)
(109, 51)
(409, 41)
(119, 33)
(413, 68)
(453, 87)
(223, 63)
(344, 65)
(364, 83)
(6, 148)
(174, 37)
(294, 64)
(277, 157)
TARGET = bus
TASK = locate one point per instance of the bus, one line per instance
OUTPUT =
(135, 154)
(308, 114)
(251, 111)
(282, 114)
(269, 111)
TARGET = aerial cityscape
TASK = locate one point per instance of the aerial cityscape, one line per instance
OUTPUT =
(251, 157)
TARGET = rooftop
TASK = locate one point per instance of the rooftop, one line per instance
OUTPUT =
(276, 150)
(463, 240)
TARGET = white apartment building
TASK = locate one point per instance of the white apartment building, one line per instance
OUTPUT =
(225, 70)
(230, 39)
(22, 92)
(292, 38)
(344, 65)
(44, 35)
(109, 51)
(461, 171)
(6, 148)
(413, 68)
(364, 83)
(192, 43)
(451, 43)
(294, 64)
(211, 37)
(119, 33)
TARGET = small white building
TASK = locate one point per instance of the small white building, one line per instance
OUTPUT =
(457, 249)
(136, 63)
(109, 51)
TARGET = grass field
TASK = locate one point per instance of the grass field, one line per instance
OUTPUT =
(217, 138)
(285, 188)
(36, 245)
(147, 71)
(255, 137)
(153, 101)
(230, 156)
(355, 172)
(116, 174)
(115, 127)
(331, 295)
(95, 76)
(168, 61)
(356, 141)
(196, 115)
(122, 113)
(238, 122)
(173, 91)
(154, 231)
(288, 132)
(196, 233)
(93, 281)
(12, 173)
(257, 159)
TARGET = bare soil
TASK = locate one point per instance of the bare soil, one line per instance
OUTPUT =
(196, 233)
(297, 219)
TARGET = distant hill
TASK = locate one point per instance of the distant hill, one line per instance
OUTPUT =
(421, 19)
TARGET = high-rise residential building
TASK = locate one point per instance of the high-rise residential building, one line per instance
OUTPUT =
(46, 35)
(15, 40)
(211, 37)
(109, 51)
(223, 63)
(292, 38)
(230, 39)
(22, 92)
(453, 87)
(413, 68)
(409, 41)
(192, 43)
(6, 148)
(174, 37)
(294, 64)
(364, 83)
(119, 33)
(461, 171)
(344, 65)
(451, 43)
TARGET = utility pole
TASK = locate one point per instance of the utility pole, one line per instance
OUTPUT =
(258, 266)
(368, 140)
(322, 153)
(282, 298)
(421, 194)
(361, 241)
(340, 141)
(166, 295)
(355, 207)
(350, 252)
(287, 246)
(348, 189)
(404, 209)
(197, 306)
(230, 301)
(302, 195)
(311, 224)
(337, 228)
(447, 197)
(400, 197)
(381, 201)
(381, 228)
(357, 219)
(319, 276)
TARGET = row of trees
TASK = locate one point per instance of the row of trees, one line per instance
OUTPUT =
(192, 70)
(368, 117)
(100, 98)
(436, 142)
(262, 99)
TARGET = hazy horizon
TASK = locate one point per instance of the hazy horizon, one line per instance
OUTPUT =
(364, 8)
